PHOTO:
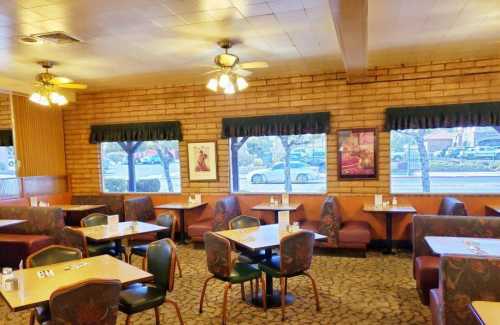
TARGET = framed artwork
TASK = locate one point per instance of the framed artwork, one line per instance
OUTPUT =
(202, 161)
(357, 154)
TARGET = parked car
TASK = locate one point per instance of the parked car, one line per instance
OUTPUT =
(300, 172)
(150, 160)
(481, 152)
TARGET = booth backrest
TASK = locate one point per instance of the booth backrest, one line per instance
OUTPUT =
(225, 210)
(451, 206)
(113, 202)
(139, 209)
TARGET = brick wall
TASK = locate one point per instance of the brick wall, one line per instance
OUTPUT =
(351, 106)
(5, 120)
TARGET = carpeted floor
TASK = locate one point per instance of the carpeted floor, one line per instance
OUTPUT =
(378, 289)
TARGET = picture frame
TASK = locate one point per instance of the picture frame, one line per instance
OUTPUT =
(357, 157)
(202, 161)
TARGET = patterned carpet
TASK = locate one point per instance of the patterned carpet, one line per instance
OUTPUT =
(378, 289)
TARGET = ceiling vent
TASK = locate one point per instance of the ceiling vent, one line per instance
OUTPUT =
(57, 38)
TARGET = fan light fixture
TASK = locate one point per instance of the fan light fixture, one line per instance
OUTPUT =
(228, 82)
(48, 97)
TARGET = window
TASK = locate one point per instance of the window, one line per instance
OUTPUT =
(153, 164)
(7, 162)
(259, 164)
(452, 160)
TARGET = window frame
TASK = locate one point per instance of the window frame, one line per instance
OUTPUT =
(101, 178)
(281, 192)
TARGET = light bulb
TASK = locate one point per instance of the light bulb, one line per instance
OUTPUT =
(242, 83)
(44, 101)
(35, 97)
(58, 99)
(224, 81)
(212, 84)
(229, 90)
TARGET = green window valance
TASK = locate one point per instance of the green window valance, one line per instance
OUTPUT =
(6, 139)
(443, 116)
(309, 123)
(136, 132)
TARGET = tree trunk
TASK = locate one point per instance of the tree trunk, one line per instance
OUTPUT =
(166, 158)
(424, 162)
(130, 148)
(288, 179)
(235, 147)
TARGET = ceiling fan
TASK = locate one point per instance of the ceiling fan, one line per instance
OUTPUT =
(47, 85)
(229, 69)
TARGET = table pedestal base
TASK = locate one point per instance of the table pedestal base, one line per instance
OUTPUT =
(273, 301)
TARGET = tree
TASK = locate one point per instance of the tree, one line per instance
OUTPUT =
(418, 138)
(130, 147)
(288, 142)
(164, 151)
(235, 147)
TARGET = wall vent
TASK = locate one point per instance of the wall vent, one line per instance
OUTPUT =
(57, 37)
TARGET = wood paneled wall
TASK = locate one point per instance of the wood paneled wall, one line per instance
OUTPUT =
(38, 138)
(5, 120)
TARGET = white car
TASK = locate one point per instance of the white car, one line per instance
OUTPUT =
(300, 173)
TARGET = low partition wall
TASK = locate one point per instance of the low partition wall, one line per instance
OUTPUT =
(17, 190)
(351, 208)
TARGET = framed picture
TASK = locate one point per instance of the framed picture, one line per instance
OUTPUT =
(357, 154)
(202, 161)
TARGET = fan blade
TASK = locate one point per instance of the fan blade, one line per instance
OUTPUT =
(73, 86)
(212, 71)
(254, 65)
(241, 72)
(60, 80)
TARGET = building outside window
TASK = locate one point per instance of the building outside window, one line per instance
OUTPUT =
(140, 166)
(446, 160)
(278, 164)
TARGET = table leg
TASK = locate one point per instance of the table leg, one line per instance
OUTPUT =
(182, 231)
(388, 233)
(276, 216)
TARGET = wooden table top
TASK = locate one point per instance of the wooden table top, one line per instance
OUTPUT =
(487, 312)
(77, 207)
(489, 247)
(261, 237)
(119, 230)
(10, 222)
(494, 207)
(180, 205)
(400, 208)
(34, 291)
(292, 206)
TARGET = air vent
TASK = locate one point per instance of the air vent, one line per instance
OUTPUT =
(57, 37)
(28, 39)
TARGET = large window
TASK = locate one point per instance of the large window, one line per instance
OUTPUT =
(453, 160)
(277, 164)
(7, 162)
(140, 166)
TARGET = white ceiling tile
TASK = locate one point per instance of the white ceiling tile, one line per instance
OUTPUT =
(257, 9)
(285, 5)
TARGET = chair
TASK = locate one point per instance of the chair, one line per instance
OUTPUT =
(167, 221)
(451, 206)
(92, 302)
(341, 234)
(463, 279)
(112, 248)
(296, 251)
(46, 256)
(140, 209)
(220, 264)
(248, 255)
(225, 209)
(160, 259)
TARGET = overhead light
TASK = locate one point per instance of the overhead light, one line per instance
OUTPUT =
(229, 90)
(48, 97)
(241, 83)
(212, 84)
(224, 81)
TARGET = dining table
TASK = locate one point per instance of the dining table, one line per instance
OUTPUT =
(265, 238)
(11, 222)
(486, 312)
(492, 209)
(74, 213)
(119, 230)
(181, 207)
(35, 289)
(277, 207)
(389, 211)
(469, 246)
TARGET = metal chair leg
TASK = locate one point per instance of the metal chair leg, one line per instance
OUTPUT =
(144, 263)
(177, 310)
(227, 287)
(282, 295)
(256, 288)
(157, 316)
(32, 317)
(178, 265)
(127, 322)
(264, 289)
(203, 293)
(316, 296)
(242, 286)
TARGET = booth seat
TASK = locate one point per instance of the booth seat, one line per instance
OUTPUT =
(463, 279)
(225, 209)
(42, 228)
(425, 263)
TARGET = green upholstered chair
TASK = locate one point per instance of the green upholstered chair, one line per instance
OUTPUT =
(46, 256)
(247, 255)
(91, 302)
(164, 220)
(112, 248)
(160, 258)
(243, 222)
(220, 264)
(296, 251)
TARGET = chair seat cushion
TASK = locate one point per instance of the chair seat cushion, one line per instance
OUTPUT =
(426, 275)
(311, 225)
(102, 248)
(272, 267)
(243, 272)
(139, 297)
(436, 301)
(355, 232)
(139, 250)
(199, 229)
